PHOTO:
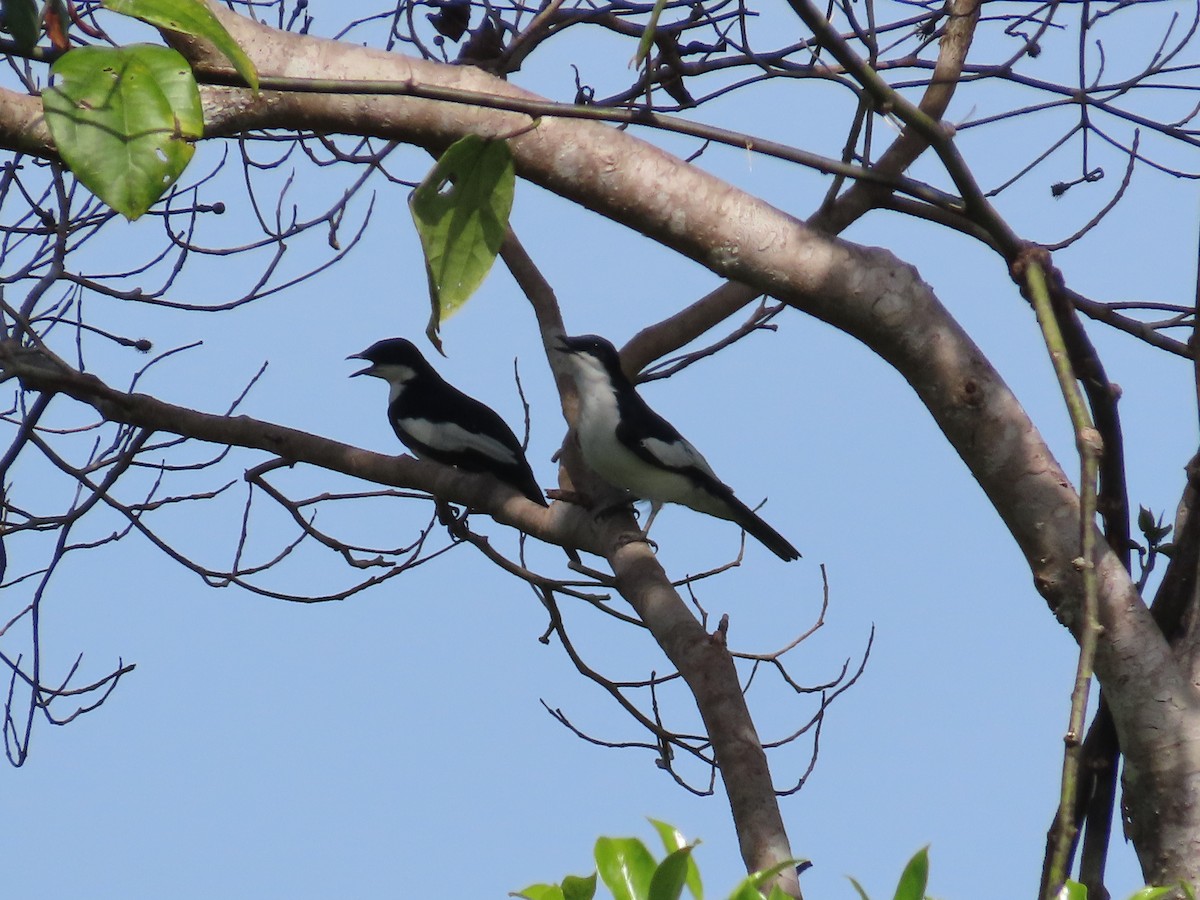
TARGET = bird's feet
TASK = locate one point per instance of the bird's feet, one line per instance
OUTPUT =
(621, 506)
(635, 537)
(578, 498)
(450, 517)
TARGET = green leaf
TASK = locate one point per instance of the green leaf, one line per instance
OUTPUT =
(751, 887)
(915, 877)
(761, 878)
(745, 891)
(540, 892)
(190, 17)
(21, 21)
(576, 888)
(671, 837)
(671, 875)
(461, 213)
(643, 49)
(1071, 890)
(1152, 893)
(673, 840)
(124, 120)
(626, 866)
(858, 887)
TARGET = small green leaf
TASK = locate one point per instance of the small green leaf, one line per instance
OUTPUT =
(21, 21)
(761, 878)
(190, 17)
(625, 866)
(1152, 893)
(461, 213)
(1071, 890)
(540, 892)
(577, 888)
(670, 876)
(745, 891)
(124, 120)
(915, 877)
(671, 837)
(858, 887)
(673, 840)
(643, 49)
(751, 887)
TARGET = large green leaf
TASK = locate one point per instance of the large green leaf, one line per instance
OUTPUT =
(123, 120)
(915, 877)
(190, 17)
(626, 866)
(461, 213)
(21, 21)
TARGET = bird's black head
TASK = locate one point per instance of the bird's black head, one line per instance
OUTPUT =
(594, 346)
(392, 356)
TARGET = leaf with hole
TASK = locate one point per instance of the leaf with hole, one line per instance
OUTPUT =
(190, 17)
(124, 120)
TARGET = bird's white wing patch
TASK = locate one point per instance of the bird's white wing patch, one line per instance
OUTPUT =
(450, 438)
(677, 455)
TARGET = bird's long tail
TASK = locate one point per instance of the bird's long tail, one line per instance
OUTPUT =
(760, 530)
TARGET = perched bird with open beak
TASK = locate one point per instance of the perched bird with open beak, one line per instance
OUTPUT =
(438, 422)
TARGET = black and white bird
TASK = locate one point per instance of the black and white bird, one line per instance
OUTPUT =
(439, 422)
(633, 448)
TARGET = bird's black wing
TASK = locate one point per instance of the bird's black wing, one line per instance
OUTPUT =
(452, 428)
(656, 440)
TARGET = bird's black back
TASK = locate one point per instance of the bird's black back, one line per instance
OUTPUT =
(429, 400)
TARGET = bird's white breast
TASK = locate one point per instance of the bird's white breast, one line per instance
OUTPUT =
(612, 460)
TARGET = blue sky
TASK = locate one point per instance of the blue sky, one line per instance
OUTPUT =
(394, 744)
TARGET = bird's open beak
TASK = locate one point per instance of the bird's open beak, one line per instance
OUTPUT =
(366, 371)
